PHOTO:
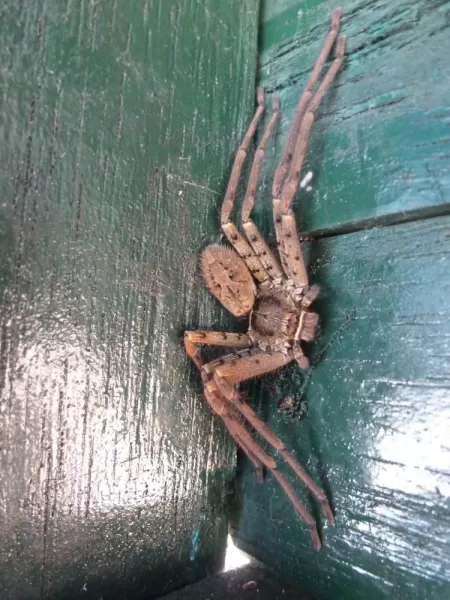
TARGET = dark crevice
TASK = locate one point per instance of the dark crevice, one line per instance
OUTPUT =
(385, 221)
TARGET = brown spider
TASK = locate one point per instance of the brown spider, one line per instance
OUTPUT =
(248, 280)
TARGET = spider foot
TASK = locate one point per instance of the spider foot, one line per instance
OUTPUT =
(327, 512)
(315, 537)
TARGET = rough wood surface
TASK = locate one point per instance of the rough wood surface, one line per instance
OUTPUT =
(252, 582)
(380, 150)
(376, 402)
(377, 429)
(118, 122)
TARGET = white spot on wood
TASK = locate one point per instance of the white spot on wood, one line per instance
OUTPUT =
(306, 179)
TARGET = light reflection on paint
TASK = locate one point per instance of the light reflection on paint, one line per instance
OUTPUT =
(408, 460)
(110, 476)
(234, 557)
(417, 459)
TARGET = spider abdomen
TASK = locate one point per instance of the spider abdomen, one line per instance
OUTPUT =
(228, 278)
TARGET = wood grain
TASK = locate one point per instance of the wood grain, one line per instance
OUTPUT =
(376, 434)
(380, 150)
(118, 123)
(371, 419)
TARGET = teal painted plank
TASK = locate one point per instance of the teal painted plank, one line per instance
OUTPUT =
(376, 433)
(380, 149)
(118, 123)
(252, 582)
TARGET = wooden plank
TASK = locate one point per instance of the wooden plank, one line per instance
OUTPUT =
(118, 122)
(376, 433)
(380, 149)
(252, 582)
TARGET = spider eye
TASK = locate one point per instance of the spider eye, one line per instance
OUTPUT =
(228, 278)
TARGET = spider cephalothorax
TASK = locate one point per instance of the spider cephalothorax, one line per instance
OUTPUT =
(280, 319)
(249, 280)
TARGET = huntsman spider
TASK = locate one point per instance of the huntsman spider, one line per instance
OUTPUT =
(248, 279)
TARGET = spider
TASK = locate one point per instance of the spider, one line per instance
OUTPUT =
(248, 279)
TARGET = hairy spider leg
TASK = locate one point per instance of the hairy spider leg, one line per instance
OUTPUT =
(245, 409)
(256, 240)
(252, 448)
(288, 151)
(246, 364)
(213, 338)
(287, 175)
(236, 239)
(291, 184)
(226, 402)
(240, 442)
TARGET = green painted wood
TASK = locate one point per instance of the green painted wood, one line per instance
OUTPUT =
(380, 148)
(118, 121)
(377, 429)
(252, 582)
